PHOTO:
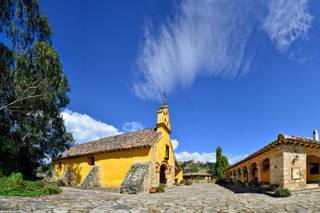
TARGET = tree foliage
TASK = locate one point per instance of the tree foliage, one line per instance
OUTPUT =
(33, 90)
(221, 163)
(192, 167)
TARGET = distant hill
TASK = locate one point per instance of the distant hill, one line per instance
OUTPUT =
(194, 166)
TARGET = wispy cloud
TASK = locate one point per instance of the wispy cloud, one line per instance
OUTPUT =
(209, 37)
(287, 21)
(132, 126)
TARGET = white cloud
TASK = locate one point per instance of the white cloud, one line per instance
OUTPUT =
(85, 128)
(175, 143)
(287, 21)
(209, 37)
(203, 157)
(132, 126)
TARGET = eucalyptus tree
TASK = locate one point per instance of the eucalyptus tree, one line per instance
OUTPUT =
(33, 90)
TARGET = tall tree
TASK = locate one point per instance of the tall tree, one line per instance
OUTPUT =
(221, 163)
(33, 90)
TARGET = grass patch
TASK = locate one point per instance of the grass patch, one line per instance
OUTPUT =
(15, 185)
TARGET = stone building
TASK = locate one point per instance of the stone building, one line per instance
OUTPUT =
(132, 161)
(200, 177)
(291, 162)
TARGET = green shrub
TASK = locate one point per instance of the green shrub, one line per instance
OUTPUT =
(161, 188)
(188, 182)
(15, 185)
(50, 189)
(282, 192)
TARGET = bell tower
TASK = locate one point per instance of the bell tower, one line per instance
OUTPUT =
(163, 121)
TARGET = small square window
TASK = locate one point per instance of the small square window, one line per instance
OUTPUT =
(91, 161)
(314, 168)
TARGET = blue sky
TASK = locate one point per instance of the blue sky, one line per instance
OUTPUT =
(236, 73)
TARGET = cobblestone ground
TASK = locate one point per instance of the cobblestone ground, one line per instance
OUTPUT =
(194, 198)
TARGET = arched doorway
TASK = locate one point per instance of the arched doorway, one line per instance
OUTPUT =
(163, 178)
(265, 171)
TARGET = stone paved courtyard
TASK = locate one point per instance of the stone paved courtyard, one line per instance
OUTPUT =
(194, 198)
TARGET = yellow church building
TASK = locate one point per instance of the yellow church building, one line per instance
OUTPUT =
(132, 162)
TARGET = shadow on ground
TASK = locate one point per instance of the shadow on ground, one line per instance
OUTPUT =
(235, 187)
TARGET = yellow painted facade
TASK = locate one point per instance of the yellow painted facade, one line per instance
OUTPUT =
(246, 171)
(80, 166)
(114, 166)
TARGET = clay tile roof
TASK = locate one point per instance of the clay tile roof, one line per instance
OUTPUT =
(137, 139)
(282, 139)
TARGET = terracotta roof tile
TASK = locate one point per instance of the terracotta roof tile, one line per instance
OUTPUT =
(137, 139)
(282, 139)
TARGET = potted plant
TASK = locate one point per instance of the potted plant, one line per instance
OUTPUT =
(153, 190)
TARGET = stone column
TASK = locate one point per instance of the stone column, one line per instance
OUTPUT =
(259, 169)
